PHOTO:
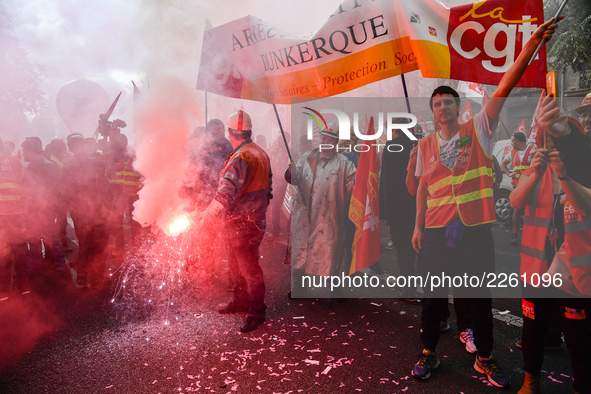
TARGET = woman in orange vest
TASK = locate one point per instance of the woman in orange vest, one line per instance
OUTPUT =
(556, 209)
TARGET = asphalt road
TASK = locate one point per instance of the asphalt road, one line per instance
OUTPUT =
(67, 342)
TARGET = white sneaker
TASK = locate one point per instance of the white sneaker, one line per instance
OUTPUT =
(467, 337)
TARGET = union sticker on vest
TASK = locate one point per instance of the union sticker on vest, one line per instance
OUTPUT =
(528, 309)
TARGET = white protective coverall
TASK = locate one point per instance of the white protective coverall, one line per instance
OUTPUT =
(317, 228)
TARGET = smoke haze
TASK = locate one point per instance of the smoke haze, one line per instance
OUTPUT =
(165, 119)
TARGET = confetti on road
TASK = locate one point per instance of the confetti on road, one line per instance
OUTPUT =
(554, 380)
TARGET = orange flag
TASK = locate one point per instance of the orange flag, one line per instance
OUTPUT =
(364, 210)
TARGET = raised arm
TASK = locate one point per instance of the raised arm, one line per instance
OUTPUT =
(515, 72)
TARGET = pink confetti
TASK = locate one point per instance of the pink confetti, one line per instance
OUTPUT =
(108, 387)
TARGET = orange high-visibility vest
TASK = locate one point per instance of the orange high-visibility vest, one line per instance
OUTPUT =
(465, 189)
(520, 165)
(536, 224)
(127, 181)
(259, 168)
(12, 176)
(577, 240)
(56, 161)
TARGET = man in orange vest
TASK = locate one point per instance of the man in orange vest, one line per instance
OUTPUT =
(243, 196)
(455, 205)
(520, 159)
(126, 186)
(13, 179)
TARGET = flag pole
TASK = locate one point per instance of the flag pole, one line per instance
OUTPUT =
(539, 48)
(405, 93)
(506, 131)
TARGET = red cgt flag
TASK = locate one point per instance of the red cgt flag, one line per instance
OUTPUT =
(535, 128)
(466, 113)
(521, 128)
(364, 210)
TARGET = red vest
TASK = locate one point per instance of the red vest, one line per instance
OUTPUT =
(127, 181)
(12, 176)
(536, 224)
(519, 165)
(577, 240)
(466, 190)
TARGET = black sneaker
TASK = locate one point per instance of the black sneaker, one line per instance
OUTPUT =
(514, 240)
(251, 323)
(490, 368)
(427, 362)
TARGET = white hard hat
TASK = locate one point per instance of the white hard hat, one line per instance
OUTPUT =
(239, 121)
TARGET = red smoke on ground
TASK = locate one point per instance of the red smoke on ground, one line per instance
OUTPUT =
(24, 322)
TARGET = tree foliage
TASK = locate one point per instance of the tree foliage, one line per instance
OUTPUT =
(20, 80)
(571, 45)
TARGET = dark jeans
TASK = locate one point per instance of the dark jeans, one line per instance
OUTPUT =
(43, 229)
(92, 240)
(577, 333)
(124, 206)
(276, 205)
(244, 239)
(540, 310)
(14, 264)
(401, 234)
(473, 255)
(538, 314)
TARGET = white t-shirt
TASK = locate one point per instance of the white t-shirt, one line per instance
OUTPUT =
(448, 153)
(520, 152)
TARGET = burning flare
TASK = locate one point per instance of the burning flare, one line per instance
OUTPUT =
(179, 225)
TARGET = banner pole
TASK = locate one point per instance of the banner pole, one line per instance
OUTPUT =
(206, 108)
(288, 151)
(405, 93)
